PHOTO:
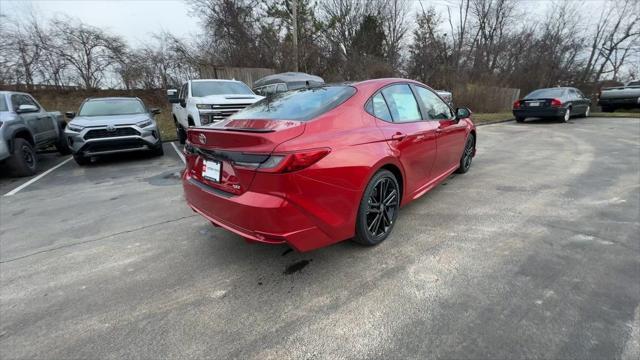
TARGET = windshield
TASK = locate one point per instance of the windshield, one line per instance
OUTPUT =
(3, 104)
(298, 105)
(205, 88)
(112, 107)
(545, 93)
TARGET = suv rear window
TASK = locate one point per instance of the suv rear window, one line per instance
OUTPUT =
(300, 105)
(206, 88)
(545, 93)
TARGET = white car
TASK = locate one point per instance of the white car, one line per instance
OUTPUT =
(207, 101)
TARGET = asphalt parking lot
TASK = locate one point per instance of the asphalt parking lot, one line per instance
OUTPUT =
(535, 253)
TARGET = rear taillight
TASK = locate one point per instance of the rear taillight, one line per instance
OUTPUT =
(556, 103)
(516, 104)
(289, 162)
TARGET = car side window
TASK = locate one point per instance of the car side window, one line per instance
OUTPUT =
(19, 99)
(402, 104)
(435, 107)
(281, 88)
(377, 107)
(30, 101)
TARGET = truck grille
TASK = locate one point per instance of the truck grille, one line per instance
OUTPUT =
(104, 133)
(221, 112)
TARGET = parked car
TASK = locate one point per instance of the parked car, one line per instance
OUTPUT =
(558, 103)
(278, 83)
(25, 126)
(620, 97)
(112, 125)
(202, 102)
(315, 166)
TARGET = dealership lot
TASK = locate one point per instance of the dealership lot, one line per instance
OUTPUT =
(534, 253)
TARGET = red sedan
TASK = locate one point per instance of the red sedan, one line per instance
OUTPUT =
(316, 166)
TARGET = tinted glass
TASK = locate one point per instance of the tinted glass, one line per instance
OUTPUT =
(545, 93)
(111, 107)
(281, 88)
(402, 104)
(379, 108)
(206, 88)
(3, 104)
(634, 83)
(301, 105)
(436, 108)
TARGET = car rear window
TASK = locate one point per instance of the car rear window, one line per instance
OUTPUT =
(111, 107)
(545, 93)
(3, 104)
(300, 105)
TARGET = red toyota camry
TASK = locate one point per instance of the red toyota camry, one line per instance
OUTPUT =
(316, 166)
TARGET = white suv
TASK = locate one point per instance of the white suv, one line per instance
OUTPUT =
(207, 101)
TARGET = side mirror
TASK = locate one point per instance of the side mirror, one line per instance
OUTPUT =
(155, 111)
(24, 108)
(172, 96)
(462, 113)
(70, 114)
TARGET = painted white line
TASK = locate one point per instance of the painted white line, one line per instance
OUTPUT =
(179, 152)
(15, 191)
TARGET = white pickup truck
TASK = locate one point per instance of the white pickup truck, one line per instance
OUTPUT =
(207, 101)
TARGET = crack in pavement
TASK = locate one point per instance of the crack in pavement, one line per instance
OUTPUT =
(96, 239)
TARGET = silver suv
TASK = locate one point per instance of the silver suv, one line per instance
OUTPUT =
(112, 125)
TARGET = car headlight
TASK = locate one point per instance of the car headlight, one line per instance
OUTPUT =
(203, 106)
(145, 123)
(75, 128)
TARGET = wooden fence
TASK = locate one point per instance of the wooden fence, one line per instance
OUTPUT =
(246, 75)
(485, 99)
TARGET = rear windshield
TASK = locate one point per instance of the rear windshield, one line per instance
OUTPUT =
(634, 83)
(3, 103)
(301, 105)
(545, 93)
(206, 88)
(112, 107)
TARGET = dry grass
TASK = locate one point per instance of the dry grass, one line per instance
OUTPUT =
(488, 118)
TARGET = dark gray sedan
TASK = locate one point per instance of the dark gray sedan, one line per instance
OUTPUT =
(112, 125)
(558, 103)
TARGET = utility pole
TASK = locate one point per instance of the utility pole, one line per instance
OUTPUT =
(294, 11)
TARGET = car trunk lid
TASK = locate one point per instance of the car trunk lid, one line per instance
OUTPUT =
(226, 156)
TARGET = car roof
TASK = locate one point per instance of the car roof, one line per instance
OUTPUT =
(113, 98)
(288, 77)
(217, 80)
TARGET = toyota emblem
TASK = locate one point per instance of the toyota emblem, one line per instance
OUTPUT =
(202, 138)
(111, 128)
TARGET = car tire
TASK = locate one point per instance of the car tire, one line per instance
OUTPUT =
(62, 145)
(586, 113)
(519, 119)
(182, 134)
(467, 155)
(372, 229)
(158, 150)
(81, 160)
(567, 115)
(24, 161)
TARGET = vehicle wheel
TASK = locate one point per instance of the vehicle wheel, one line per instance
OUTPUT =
(158, 150)
(182, 134)
(378, 209)
(467, 155)
(81, 160)
(566, 116)
(62, 145)
(519, 119)
(23, 162)
(586, 112)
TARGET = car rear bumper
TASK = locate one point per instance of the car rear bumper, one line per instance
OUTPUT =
(541, 113)
(259, 217)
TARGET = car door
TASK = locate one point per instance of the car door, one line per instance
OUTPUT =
(406, 132)
(31, 119)
(46, 123)
(179, 109)
(450, 133)
(584, 101)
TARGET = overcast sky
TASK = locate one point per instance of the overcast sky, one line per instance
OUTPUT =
(137, 19)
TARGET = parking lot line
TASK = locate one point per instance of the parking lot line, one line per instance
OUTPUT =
(179, 152)
(16, 190)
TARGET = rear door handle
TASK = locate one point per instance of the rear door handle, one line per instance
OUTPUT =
(398, 136)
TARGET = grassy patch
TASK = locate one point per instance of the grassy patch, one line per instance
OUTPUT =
(165, 123)
(488, 118)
